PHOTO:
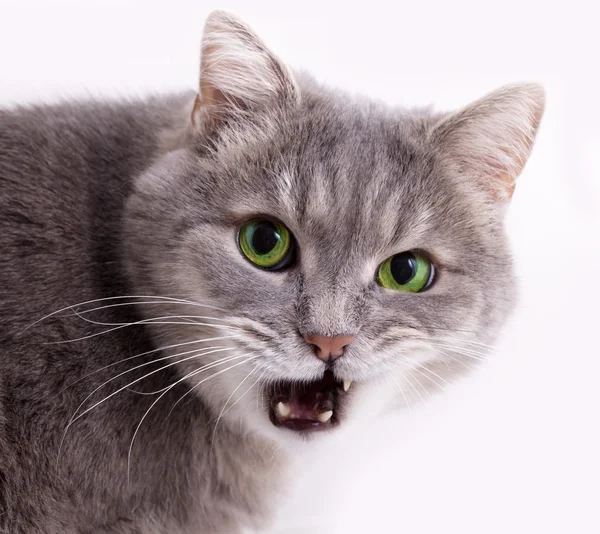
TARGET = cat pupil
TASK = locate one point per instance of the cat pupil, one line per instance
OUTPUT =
(403, 267)
(264, 238)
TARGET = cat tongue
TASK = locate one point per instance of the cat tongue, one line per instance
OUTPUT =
(303, 406)
(309, 404)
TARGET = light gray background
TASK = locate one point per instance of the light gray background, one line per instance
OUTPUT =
(514, 447)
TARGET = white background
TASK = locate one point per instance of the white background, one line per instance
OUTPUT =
(515, 447)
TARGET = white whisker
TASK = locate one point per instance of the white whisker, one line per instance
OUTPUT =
(470, 342)
(171, 299)
(196, 355)
(153, 320)
(108, 306)
(193, 373)
(480, 356)
(234, 392)
(76, 417)
(401, 389)
(143, 321)
(150, 352)
(458, 360)
(423, 387)
(188, 392)
(224, 412)
(408, 379)
(419, 366)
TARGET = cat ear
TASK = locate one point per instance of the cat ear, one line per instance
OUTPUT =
(491, 139)
(238, 72)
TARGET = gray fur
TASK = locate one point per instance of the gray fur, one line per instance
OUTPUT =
(102, 200)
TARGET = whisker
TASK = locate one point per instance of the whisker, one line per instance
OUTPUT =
(388, 368)
(76, 417)
(475, 353)
(149, 352)
(196, 355)
(187, 393)
(423, 387)
(151, 320)
(406, 377)
(477, 350)
(143, 321)
(425, 390)
(427, 376)
(458, 360)
(451, 330)
(171, 299)
(224, 412)
(420, 366)
(147, 393)
(98, 308)
(465, 352)
(401, 389)
(470, 342)
(248, 390)
(234, 392)
(193, 373)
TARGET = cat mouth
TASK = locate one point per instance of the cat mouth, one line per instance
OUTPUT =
(306, 407)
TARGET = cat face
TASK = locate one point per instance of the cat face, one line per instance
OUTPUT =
(334, 258)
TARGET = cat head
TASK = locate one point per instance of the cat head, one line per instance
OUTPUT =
(329, 258)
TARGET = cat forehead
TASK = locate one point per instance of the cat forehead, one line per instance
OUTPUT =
(341, 209)
(349, 179)
(326, 147)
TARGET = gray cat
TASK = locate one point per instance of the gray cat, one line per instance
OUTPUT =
(193, 287)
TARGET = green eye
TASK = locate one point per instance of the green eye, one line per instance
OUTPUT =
(407, 271)
(267, 244)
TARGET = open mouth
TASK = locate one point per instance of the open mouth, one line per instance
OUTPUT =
(310, 406)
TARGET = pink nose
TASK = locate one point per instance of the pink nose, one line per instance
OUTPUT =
(329, 348)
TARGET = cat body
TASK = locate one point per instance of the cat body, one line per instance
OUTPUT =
(122, 270)
(80, 160)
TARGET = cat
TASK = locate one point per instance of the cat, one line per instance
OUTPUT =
(194, 288)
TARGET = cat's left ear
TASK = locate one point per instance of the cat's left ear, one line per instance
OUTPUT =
(238, 73)
(490, 140)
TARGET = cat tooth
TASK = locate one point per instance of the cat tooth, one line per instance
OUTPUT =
(347, 384)
(325, 416)
(283, 409)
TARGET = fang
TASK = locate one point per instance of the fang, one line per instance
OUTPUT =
(325, 416)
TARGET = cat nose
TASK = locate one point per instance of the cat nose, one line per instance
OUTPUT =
(329, 348)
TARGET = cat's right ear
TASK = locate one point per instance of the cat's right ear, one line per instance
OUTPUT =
(489, 141)
(238, 73)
